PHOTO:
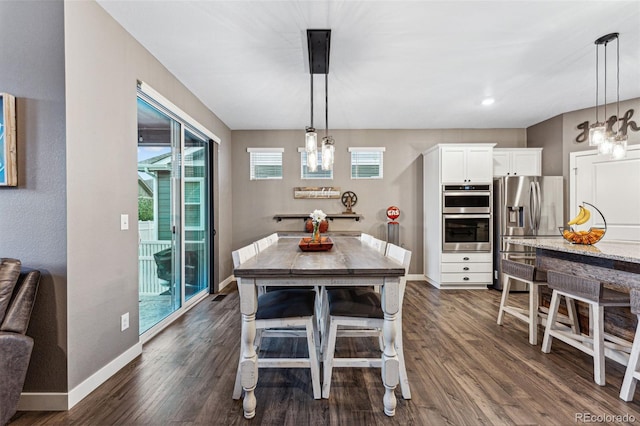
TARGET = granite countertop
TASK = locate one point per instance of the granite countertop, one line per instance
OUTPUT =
(626, 251)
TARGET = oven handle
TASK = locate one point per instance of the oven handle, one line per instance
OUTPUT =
(466, 216)
(463, 193)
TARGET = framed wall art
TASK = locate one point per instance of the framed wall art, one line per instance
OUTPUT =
(8, 161)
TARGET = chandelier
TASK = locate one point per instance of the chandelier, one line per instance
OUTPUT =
(601, 134)
(318, 42)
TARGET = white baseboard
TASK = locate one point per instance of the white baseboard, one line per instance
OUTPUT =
(43, 401)
(47, 401)
(226, 282)
(416, 277)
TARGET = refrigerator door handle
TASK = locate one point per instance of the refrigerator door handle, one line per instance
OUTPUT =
(538, 206)
(532, 209)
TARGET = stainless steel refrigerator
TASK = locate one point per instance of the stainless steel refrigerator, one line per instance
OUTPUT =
(524, 207)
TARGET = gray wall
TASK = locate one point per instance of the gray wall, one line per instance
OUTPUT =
(548, 135)
(103, 63)
(255, 202)
(557, 136)
(33, 225)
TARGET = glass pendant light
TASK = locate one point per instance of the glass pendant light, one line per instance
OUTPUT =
(311, 140)
(600, 134)
(618, 141)
(328, 144)
(598, 129)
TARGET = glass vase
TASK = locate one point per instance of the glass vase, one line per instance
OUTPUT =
(316, 232)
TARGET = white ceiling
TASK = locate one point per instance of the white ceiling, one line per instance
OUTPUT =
(393, 64)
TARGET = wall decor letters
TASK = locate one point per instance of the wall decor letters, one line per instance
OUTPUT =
(626, 123)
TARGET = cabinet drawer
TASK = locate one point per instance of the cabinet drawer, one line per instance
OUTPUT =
(467, 267)
(466, 257)
(475, 278)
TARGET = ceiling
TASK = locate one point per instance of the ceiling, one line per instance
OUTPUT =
(393, 64)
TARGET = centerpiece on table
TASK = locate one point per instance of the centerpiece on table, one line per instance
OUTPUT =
(316, 242)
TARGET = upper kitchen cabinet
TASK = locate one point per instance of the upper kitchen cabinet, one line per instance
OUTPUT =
(517, 162)
(466, 163)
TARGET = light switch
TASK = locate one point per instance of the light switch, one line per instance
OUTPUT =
(124, 222)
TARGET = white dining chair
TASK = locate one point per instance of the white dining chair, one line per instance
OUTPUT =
(264, 243)
(286, 310)
(365, 238)
(379, 245)
(351, 308)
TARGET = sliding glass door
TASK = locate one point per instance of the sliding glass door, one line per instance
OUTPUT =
(173, 213)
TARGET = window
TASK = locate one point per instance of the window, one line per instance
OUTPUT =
(319, 173)
(366, 163)
(265, 163)
(194, 213)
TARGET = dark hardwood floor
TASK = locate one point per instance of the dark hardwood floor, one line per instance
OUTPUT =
(463, 368)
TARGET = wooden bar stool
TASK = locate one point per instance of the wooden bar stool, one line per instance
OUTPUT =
(535, 279)
(632, 375)
(597, 344)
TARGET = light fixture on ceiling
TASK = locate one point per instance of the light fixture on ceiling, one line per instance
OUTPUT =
(488, 101)
(601, 134)
(318, 42)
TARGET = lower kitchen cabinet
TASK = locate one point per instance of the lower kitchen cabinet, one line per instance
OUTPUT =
(466, 270)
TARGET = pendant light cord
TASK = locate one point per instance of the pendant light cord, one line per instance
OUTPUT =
(326, 104)
(311, 74)
(606, 125)
(618, 84)
(597, 81)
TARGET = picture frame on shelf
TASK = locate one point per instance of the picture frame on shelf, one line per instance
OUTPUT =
(8, 157)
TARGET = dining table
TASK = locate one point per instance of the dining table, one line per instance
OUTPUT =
(349, 262)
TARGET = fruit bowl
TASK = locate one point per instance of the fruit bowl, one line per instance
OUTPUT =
(576, 236)
(592, 236)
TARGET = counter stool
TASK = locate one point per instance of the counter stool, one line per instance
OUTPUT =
(597, 344)
(535, 279)
(632, 375)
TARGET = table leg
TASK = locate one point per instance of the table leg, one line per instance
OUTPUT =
(249, 362)
(390, 361)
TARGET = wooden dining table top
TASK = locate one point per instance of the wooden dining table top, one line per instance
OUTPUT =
(348, 257)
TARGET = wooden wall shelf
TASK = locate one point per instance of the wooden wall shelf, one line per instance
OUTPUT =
(331, 217)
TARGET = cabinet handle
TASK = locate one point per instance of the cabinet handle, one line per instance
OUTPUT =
(465, 258)
(466, 278)
(466, 268)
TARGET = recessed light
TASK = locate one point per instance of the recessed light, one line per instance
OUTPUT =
(488, 101)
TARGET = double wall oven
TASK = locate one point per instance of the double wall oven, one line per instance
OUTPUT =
(466, 218)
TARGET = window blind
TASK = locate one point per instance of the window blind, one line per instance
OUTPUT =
(265, 163)
(366, 163)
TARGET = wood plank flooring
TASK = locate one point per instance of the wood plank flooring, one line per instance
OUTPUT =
(463, 368)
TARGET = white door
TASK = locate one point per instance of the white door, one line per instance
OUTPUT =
(613, 186)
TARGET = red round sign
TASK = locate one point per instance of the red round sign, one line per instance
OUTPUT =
(393, 212)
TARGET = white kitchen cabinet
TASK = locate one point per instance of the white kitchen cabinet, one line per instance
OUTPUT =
(446, 164)
(466, 270)
(517, 162)
(466, 163)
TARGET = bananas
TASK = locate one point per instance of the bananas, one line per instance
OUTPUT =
(583, 216)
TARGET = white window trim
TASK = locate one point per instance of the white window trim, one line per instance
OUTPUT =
(362, 148)
(267, 150)
(301, 149)
(367, 149)
(200, 226)
(151, 94)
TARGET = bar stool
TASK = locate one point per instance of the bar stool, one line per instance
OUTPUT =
(597, 344)
(632, 375)
(535, 279)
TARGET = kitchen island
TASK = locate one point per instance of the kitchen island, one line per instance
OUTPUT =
(616, 263)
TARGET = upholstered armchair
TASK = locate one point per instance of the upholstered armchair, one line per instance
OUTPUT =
(17, 294)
